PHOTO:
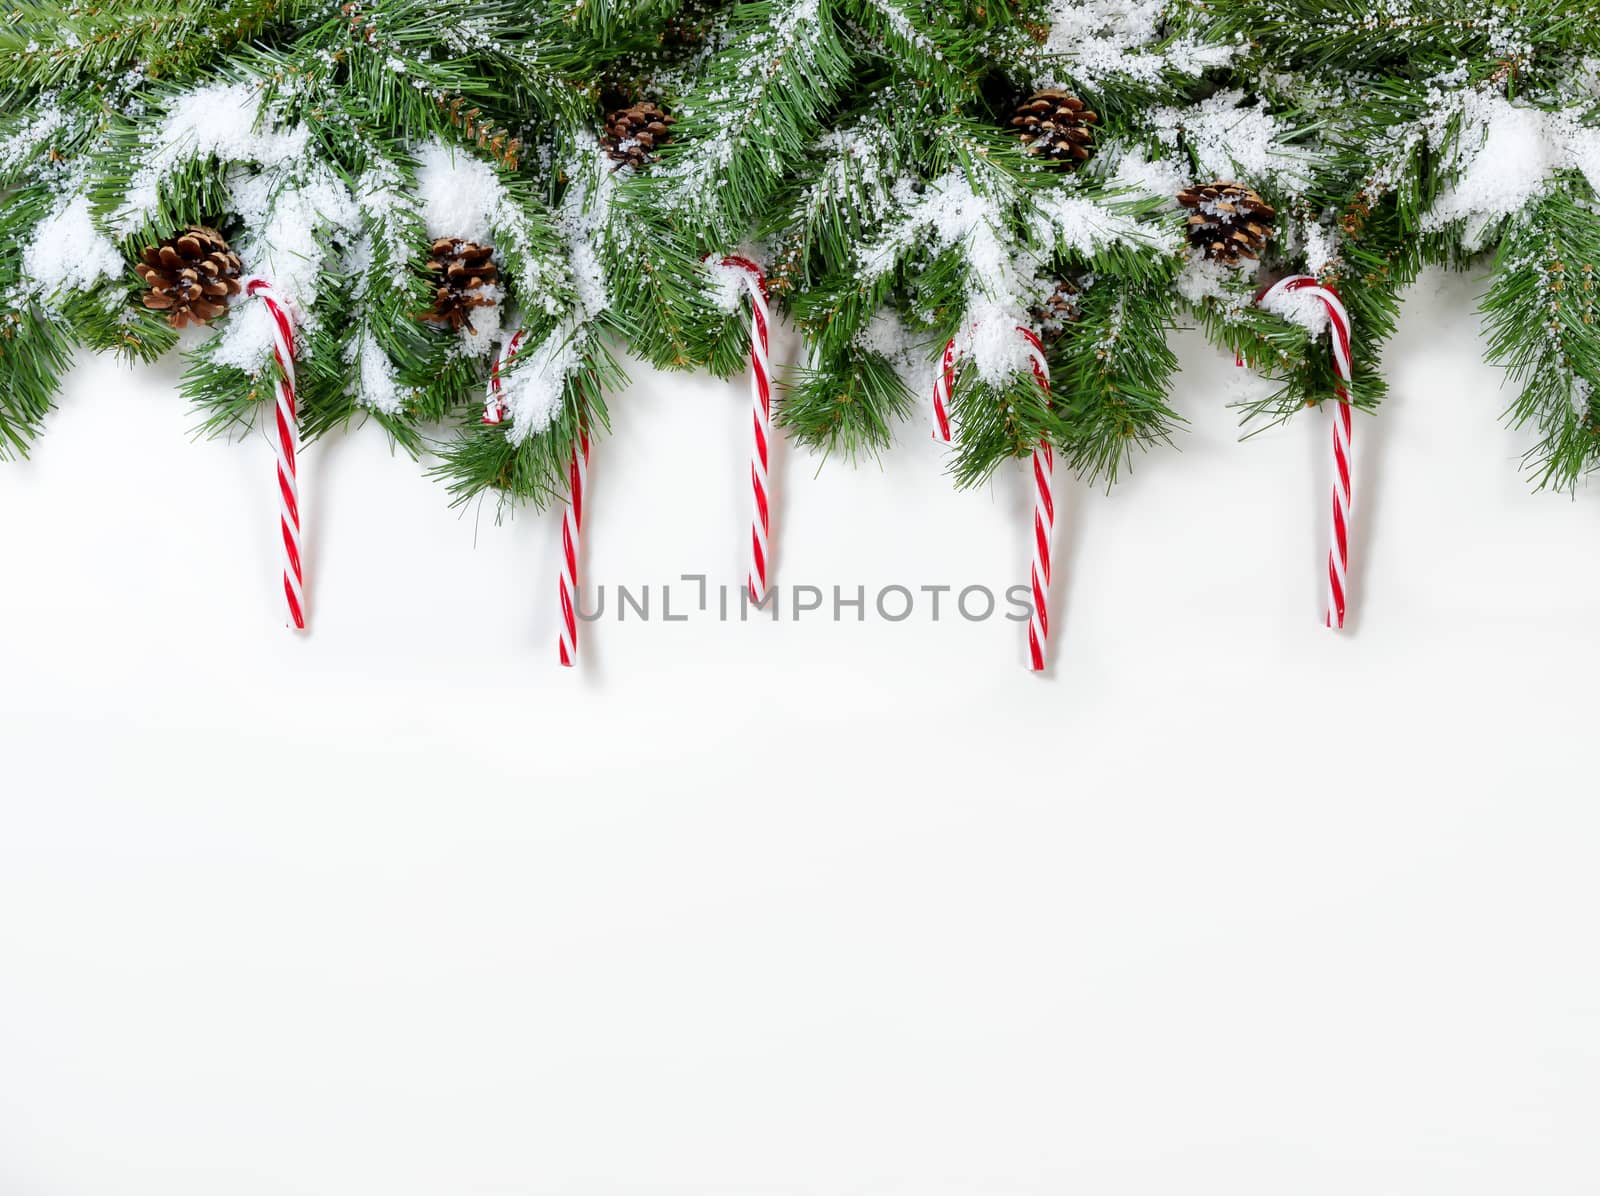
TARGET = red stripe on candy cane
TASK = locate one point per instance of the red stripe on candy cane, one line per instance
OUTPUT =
(571, 528)
(288, 445)
(494, 412)
(943, 383)
(1044, 506)
(761, 421)
(494, 409)
(1339, 533)
(1044, 519)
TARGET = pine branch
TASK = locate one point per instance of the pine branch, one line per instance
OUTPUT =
(848, 407)
(1421, 36)
(941, 43)
(1113, 371)
(532, 468)
(656, 284)
(34, 353)
(759, 106)
(996, 422)
(46, 45)
(843, 190)
(1541, 317)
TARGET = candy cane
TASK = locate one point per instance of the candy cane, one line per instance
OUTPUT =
(494, 409)
(571, 526)
(288, 446)
(1339, 542)
(943, 384)
(1044, 518)
(1044, 506)
(761, 417)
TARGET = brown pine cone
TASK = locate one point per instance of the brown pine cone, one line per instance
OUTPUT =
(1056, 126)
(190, 276)
(1230, 221)
(464, 277)
(634, 134)
(1059, 309)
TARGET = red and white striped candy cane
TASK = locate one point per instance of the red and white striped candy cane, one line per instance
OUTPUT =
(1044, 518)
(943, 384)
(1339, 539)
(571, 528)
(494, 409)
(761, 418)
(1044, 505)
(288, 446)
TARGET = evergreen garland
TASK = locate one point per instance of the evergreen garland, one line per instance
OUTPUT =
(908, 172)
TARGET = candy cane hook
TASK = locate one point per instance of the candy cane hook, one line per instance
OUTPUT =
(943, 384)
(494, 407)
(1043, 469)
(761, 422)
(1339, 530)
(288, 445)
(1044, 518)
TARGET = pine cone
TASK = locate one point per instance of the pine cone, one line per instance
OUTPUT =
(1059, 309)
(465, 277)
(634, 134)
(1230, 221)
(1056, 126)
(190, 276)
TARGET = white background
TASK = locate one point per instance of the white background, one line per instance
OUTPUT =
(1225, 904)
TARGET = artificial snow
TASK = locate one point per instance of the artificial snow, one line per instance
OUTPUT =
(286, 200)
(901, 27)
(376, 384)
(224, 120)
(1300, 307)
(949, 212)
(480, 338)
(282, 218)
(1505, 156)
(993, 340)
(584, 222)
(887, 336)
(1160, 178)
(726, 285)
(790, 42)
(21, 148)
(857, 171)
(1081, 226)
(1587, 76)
(466, 35)
(1583, 150)
(461, 196)
(946, 213)
(67, 252)
(534, 389)
(1580, 395)
(1230, 139)
(1097, 39)
(245, 342)
(1202, 279)
(385, 200)
(1321, 248)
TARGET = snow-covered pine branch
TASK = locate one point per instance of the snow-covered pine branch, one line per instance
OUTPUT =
(1493, 156)
(1098, 44)
(753, 117)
